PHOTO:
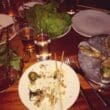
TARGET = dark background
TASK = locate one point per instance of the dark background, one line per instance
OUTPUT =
(105, 4)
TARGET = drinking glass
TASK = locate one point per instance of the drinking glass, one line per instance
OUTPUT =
(42, 42)
(27, 35)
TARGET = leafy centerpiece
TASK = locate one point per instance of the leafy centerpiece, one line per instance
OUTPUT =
(46, 18)
(10, 67)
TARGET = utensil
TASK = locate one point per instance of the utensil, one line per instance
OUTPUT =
(98, 94)
(57, 71)
(90, 107)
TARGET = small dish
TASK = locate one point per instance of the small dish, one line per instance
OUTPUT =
(6, 21)
(92, 56)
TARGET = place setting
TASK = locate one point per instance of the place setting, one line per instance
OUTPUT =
(39, 82)
(41, 65)
(48, 85)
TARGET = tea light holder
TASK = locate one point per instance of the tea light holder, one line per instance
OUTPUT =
(42, 42)
(27, 37)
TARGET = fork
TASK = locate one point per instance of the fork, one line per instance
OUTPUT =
(98, 94)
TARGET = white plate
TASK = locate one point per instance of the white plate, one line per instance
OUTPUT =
(5, 20)
(70, 80)
(30, 4)
(91, 22)
(10, 38)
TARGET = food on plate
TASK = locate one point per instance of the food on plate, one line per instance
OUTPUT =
(102, 43)
(47, 92)
(10, 58)
(94, 58)
(106, 68)
(33, 76)
(45, 18)
(46, 86)
(89, 50)
(107, 43)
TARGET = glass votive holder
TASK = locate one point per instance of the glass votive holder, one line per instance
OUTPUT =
(27, 37)
(42, 42)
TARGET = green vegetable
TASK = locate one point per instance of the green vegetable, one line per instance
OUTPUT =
(106, 72)
(33, 76)
(46, 19)
(15, 60)
(106, 68)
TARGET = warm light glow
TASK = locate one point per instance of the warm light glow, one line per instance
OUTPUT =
(26, 30)
(43, 43)
(43, 56)
(11, 13)
(71, 12)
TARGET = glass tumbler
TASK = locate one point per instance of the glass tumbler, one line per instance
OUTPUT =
(27, 35)
(42, 42)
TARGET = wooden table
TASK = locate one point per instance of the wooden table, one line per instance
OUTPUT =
(10, 100)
